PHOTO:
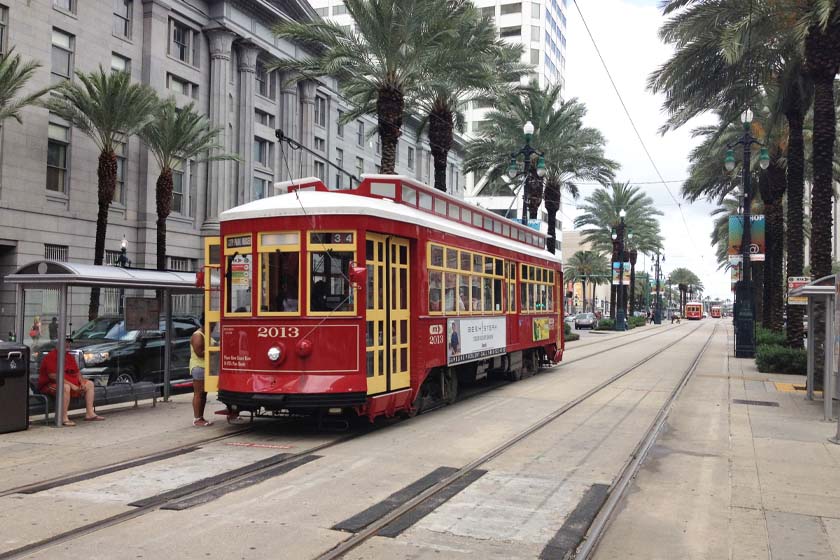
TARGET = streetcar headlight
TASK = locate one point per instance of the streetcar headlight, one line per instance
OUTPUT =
(273, 353)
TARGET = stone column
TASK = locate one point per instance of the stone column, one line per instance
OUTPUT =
(218, 184)
(247, 77)
(307, 128)
(288, 123)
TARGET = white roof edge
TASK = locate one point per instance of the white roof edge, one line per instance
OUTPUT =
(308, 203)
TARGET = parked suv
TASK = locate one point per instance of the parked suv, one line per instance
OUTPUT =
(108, 353)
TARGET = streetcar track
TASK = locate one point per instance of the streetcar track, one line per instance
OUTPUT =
(391, 518)
(609, 338)
(631, 467)
(200, 491)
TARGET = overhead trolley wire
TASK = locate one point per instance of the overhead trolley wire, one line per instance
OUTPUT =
(635, 129)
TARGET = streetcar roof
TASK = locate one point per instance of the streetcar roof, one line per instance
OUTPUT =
(337, 203)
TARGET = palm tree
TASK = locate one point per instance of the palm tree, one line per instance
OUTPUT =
(586, 266)
(380, 61)
(482, 68)
(572, 152)
(108, 108)
(14, 73)
(601, 211)
(173, 137)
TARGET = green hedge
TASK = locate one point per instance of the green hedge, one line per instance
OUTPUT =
(605, 325)
(775, 358)
(767, 337)
(568, 335)
(636, 322)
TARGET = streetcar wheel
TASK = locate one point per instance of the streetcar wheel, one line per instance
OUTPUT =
(514, 375)
(450, 388)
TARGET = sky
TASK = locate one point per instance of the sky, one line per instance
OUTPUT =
(626, 32)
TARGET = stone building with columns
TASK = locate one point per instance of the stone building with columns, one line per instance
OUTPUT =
(213, 53)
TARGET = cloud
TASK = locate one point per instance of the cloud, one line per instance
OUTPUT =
(626, 32)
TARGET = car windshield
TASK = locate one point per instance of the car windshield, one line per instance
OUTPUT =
(118, 332)
(97, 328)
(585, 316)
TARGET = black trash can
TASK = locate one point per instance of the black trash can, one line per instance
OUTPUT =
(14, 387)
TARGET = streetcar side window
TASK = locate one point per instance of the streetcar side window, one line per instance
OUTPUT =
(279, 255)
(238, 275)
(511, 274)
(435, 286)
(330, 255)
(537, 289)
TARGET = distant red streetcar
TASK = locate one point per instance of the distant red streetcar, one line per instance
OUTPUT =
(693, 311)
(715, 313)
(381, 299)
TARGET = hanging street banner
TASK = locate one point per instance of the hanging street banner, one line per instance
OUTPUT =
(734, 271)
(797, 282)
(468, 340)
(757, 238)
(616, 268)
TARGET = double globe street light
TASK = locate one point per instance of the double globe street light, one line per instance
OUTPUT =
(618, 237)
(744, 293)
(513, 169)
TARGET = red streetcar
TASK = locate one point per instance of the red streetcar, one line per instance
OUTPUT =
(715, 313)
(380, 299)
(693, 311)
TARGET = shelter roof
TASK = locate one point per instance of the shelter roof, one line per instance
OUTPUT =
(822, 287)
(54, 273)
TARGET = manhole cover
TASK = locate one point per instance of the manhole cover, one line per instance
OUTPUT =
(756, 403)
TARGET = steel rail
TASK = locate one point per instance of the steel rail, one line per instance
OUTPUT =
(632, 466)
(371, 530)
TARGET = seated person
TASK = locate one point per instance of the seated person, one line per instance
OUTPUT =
(434, 300)
(74, 384)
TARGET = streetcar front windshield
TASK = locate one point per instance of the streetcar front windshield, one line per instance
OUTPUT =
(329, 288)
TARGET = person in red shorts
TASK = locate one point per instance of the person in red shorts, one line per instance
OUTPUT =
(74, 384)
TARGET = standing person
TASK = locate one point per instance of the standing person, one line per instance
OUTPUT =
(197, 372)
(53, 327)
(35, 331)
(74, 384)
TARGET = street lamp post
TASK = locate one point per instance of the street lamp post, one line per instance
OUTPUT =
(744, 294)
(618, 236)
(657, 316)
(527, 151)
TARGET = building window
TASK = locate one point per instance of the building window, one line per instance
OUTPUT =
(320, 144)
(183, 42)
(323, 12)
(535, 33)
(262, 152)
(265, 84)
(511, 8)
(339, 127)
(320, 111)
(339, 161)
(57, 146)
(62, 56)
(179, 85)
(122, 18)
(507, 32)
(321, 170)
(4, 22)
(65, 5)
(265, 119)
(360, 167)
(120, 63)
(56, 252)
(535, 56)
(360, 133)
(119, 192)
(180, 264)
(378, 146)
(339, 10)
(488, 12)
(178, 205)
(410, 158)
(535, 11)
(260, 188)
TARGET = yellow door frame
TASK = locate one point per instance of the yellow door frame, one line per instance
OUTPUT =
(212, 312)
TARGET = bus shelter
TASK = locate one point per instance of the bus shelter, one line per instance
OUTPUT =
(57, 280)
(822, 290)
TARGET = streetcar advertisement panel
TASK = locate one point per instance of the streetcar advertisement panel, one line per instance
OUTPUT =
(474, 339)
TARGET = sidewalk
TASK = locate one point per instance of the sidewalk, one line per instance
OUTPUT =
(734, 480)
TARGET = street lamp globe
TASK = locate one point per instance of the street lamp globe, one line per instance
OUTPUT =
(729, 160)
(764, 158)
(512, 170)
(123, 243)
(541, 167)
(747, 116)
(613, 234)
(528, 129)
(622, 213)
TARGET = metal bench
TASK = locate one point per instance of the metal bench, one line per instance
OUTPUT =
(114, 393)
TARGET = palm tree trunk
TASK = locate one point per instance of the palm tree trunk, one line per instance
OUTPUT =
(795, 236)
(107, 182)
(758, 284)
(440, 142)
(632, 298)
(774, 277)
(390, 104)
(583, 290)
(163, 202)
(552, 205)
